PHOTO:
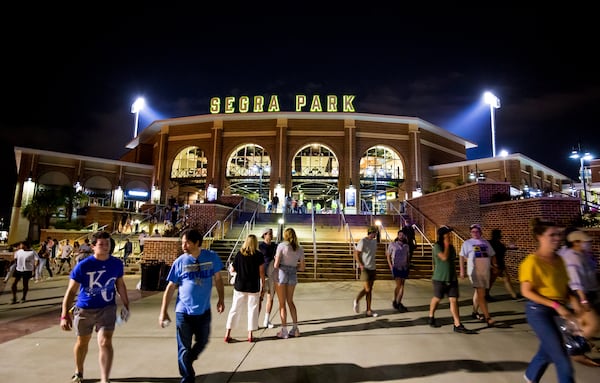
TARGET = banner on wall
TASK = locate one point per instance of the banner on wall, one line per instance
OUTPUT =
(211, 193)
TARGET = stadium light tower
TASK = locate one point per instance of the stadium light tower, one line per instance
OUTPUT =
(136, 108)
(577, 153)
(494, 103)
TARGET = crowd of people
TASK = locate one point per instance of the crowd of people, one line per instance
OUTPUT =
(558, 283)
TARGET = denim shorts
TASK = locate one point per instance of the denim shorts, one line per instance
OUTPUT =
(287, 275)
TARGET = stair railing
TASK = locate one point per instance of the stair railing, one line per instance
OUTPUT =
(366, 210)
(424, 237)
(348, 238)
(424, 224)
(229, 220)
(314, 238)
(396, 211)
(211, 234)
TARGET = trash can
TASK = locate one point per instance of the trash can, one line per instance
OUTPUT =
(154, 275)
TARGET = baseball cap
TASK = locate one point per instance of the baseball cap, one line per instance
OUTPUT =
(265, 231)
(443, 230)
(475, 226)
(578, 236)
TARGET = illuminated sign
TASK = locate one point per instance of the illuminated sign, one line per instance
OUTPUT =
(260, 104)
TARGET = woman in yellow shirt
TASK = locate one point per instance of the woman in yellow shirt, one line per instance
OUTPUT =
(544, 282)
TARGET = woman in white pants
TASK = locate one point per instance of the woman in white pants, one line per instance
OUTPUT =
(248, 265)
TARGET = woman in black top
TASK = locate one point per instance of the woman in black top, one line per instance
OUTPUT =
(248, 265)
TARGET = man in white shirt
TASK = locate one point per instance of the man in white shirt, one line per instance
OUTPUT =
(66, 251)
(141, 238)
(479, 256)
(26, 260)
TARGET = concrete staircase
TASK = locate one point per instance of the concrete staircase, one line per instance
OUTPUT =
(334, 255)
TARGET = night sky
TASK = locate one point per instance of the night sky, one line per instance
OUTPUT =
(69, 82)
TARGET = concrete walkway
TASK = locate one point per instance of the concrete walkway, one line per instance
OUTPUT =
(336, 345)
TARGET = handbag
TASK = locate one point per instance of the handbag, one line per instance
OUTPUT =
(572, 335)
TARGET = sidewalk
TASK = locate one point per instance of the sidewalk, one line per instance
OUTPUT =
(336, 345)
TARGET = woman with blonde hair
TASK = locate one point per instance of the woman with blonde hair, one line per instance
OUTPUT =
(289, 259)
(248, 265)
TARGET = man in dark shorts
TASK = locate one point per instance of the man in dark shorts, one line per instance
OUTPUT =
(444, 279)
(364, 254)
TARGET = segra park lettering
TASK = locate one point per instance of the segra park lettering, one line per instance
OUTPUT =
(259, 104)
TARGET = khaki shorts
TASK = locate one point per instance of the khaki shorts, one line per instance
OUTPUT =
(86, 320)
(271, 278)
(367, 275)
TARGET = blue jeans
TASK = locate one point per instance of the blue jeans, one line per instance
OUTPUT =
(551, 350)
(189, 326)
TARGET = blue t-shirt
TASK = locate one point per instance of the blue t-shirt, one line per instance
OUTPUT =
(194, 278)
(97, 281)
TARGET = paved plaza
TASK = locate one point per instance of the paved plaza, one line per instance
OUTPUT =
(336, 345)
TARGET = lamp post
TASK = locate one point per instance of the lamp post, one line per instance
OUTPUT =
(136, 108)
(582, 156)
(494, 103)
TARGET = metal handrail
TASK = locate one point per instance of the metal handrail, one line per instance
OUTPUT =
(366, 211)
(457, 241)
(209, 237)
(348, 238)
(314, 235)
(423, 236)
(229, 217)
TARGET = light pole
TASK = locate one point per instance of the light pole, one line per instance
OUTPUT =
(136, 108)
(494, 103)
(582, 156)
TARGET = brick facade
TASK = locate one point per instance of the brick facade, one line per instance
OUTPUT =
(464, 205)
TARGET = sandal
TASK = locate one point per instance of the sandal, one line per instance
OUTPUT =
(478, 316)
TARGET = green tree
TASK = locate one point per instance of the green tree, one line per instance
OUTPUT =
(70, 198)
(40, 210)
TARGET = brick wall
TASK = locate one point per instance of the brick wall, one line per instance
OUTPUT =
(161, 249)
(201, 216)
(467, 204)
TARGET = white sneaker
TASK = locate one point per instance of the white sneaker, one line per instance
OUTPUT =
(283, 334)
(270, 325)
(266, 322)
(356, 306)
(294, 332)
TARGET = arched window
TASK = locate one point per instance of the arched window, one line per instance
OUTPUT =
(248, 161)
(381, 162)
(381, 171)
(315, 160)
(191, 162)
